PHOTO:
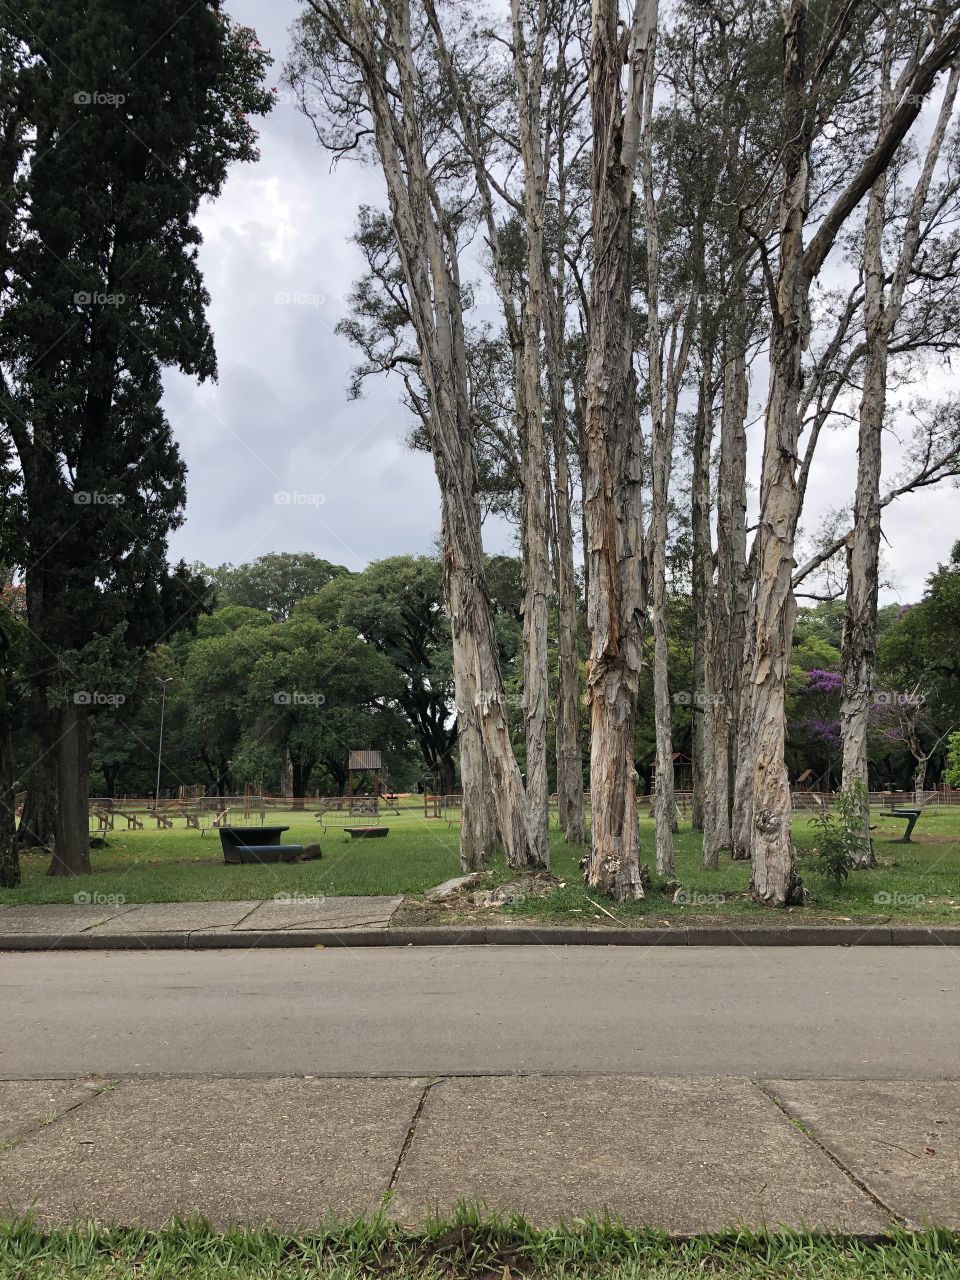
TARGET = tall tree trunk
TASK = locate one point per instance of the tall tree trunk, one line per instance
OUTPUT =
(707, 766)
(863, 544)
(662, 457)
(612, 476)
(9, 857)
(729, 599)
(71, 849)
(38, 820)
(569, 762)
(528, 74)
(775, 881)
(473, 806)
(428, 252)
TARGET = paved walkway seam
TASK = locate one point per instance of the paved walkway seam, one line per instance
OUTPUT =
(847, 1172)
(398, 1167)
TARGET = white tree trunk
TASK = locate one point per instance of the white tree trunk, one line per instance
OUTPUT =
(528, 74)
(706, 750)
(612, 474)
(428, 255)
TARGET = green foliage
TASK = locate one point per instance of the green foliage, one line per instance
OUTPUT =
(840, 833)
(952, 770)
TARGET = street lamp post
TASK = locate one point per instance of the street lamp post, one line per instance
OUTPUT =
(163, 702)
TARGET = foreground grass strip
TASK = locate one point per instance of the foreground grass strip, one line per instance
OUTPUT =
(470, 1245)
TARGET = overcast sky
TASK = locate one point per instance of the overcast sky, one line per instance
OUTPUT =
(278, 265)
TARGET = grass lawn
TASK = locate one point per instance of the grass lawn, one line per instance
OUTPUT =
(469, 1247)
(916, 882)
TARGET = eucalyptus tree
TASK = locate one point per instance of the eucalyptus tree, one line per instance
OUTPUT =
(883, 305)
(373, 75)
(621, 66)
(775, 881)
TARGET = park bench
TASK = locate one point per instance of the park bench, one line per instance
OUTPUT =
(259, 844)
(134, 823)
(104, 818)
(911, 816)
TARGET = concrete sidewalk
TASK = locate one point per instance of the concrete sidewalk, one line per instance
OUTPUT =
(101, 923)
(687, 1155)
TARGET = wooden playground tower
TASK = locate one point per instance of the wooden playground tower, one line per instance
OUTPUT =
(365, 762)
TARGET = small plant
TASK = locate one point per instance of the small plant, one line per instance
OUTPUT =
(840, 834)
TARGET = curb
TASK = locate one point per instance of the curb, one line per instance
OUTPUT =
(472, 936)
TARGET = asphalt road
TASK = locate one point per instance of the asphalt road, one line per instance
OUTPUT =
(870, 1012)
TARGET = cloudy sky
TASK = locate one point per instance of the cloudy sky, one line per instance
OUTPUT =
(278, 264)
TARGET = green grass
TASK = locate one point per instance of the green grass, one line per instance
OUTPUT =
(468, 1246)
(919, 882)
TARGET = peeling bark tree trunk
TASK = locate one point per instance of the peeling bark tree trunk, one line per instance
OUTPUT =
(528, 74)
(71, 849)
(730, 595)
(612, 473)
(428, 254)
(706, 763)
(665, 807)
(473, 806)
(863, 544)
(569, 763)
(775, 881)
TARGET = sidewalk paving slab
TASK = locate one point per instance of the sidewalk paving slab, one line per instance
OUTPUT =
(58, 919)
(901, 1139)
(285, 1151)
(681, 1154)
(177, 917)
(25, 1105)
(322, 913)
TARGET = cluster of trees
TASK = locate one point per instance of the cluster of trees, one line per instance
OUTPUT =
(606, 228)
(116, 121)
(604, 225)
